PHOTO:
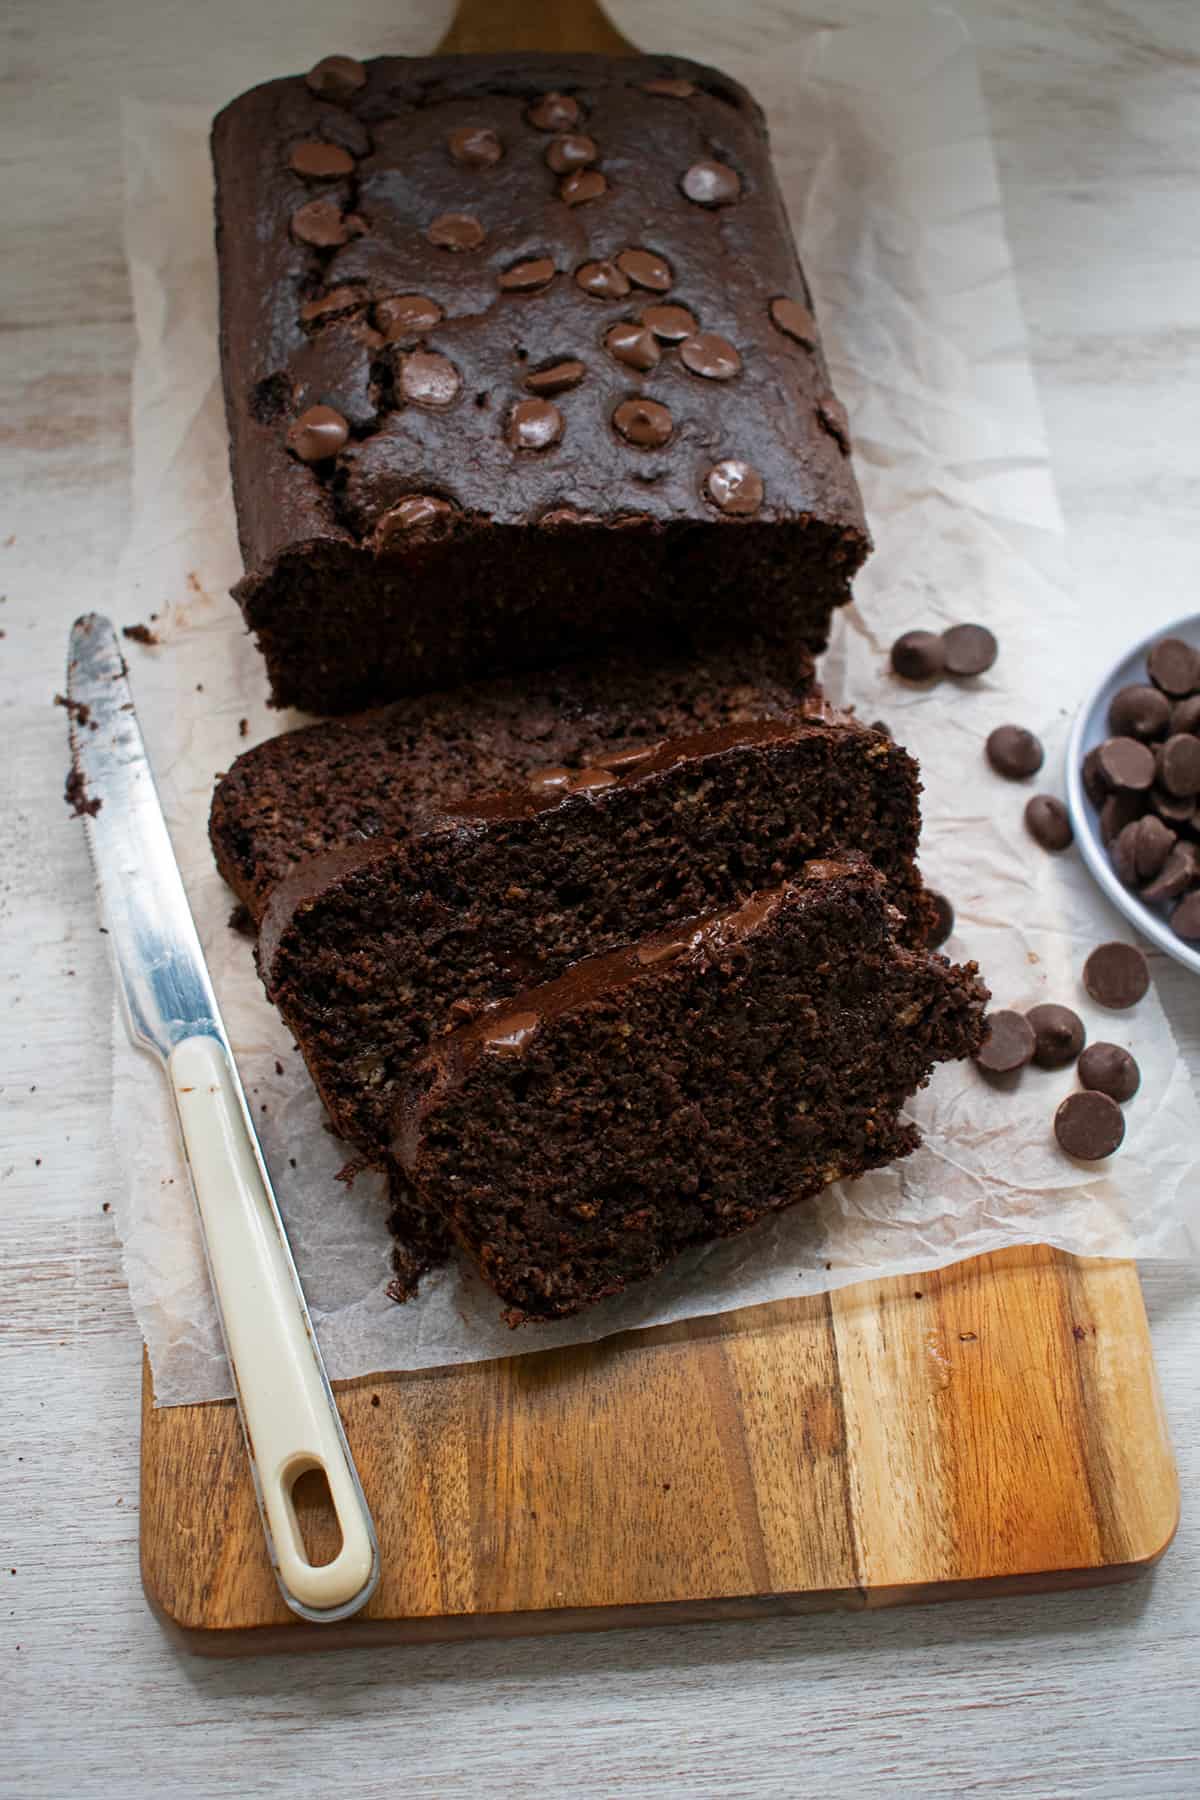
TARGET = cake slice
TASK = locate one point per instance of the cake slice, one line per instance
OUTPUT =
(350, 779)
(582, 1134)
(371, 952)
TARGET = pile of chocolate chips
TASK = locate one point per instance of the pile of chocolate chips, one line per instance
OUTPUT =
(1144, 782)
(1089, 1124)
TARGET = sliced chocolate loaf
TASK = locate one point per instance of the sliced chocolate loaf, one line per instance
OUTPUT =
(372, 952)
(518, 361)
(350, 779)
(583, 1133)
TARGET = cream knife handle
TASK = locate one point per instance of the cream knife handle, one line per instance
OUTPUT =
(288, 1411)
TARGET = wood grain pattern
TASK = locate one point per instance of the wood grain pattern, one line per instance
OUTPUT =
(996, 1425)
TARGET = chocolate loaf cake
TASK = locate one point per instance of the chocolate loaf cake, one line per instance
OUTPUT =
(371, 952)
(518, 360)
(579, 1136)
(347, 780)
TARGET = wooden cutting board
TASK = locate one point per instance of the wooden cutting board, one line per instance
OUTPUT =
(995, 1427)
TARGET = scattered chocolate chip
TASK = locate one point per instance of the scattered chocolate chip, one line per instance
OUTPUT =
(553, 112)
(1174, 666)
(1089, 1125)
(475, 146)
(943, 919)
(1118, 811)
(329, 306)
(336, 78)
(1115, 975)
(1058, 1035)
(671, 87)
(581, 186)
(603, 280)
(1108, 1069)
(633, 345)
(1009, 1043)
(711, 184)
(1048, 822)
(534, 425)
(1185, 714)
(456, 231)
(735, 487)
(406, 315)
(1138, 711)
(918, 655)
(572, 152)
(427, 379)
(715, 358)
(646, 270)
(670, 324)
(795, 321)
(1014, 752)
(528, 277)
(415, 515)
(1171, 807)
(1179, 766)
(321, 224)
(970, 649)
(1126, 766)
(557, 378)
(318, 161)
(1180, 870)
(643, 422)
(1185, 920)
(317, 434)
(1152, 844)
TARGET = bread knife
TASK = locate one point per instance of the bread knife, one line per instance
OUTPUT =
(287, 1408)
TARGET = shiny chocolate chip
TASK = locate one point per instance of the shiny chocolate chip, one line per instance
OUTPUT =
(710, 183)
(553, 112)
(643, 422)
(603, 280)
(336, 78)
(317, 434)
(633, 345)
(736, 487)
(318, 161)
(795, 321)
(581, 186)
(406, 315)
(528, 277)
(475, 146)
(427, 379)
(320, 224)
(456, 231)
(328, 306)
(557, 378)
(646, 270)
(417, 515)
(715, 358)
(575, 151)
(534, 425)
(670, 324)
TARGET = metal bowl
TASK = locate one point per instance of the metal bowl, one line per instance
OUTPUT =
(1091, 728)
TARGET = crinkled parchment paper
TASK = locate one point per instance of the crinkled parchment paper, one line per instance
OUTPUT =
(882, 148)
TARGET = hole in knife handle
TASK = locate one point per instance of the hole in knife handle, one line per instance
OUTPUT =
(316, 1521)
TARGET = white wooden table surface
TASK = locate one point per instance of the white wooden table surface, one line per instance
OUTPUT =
(1096, 113)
